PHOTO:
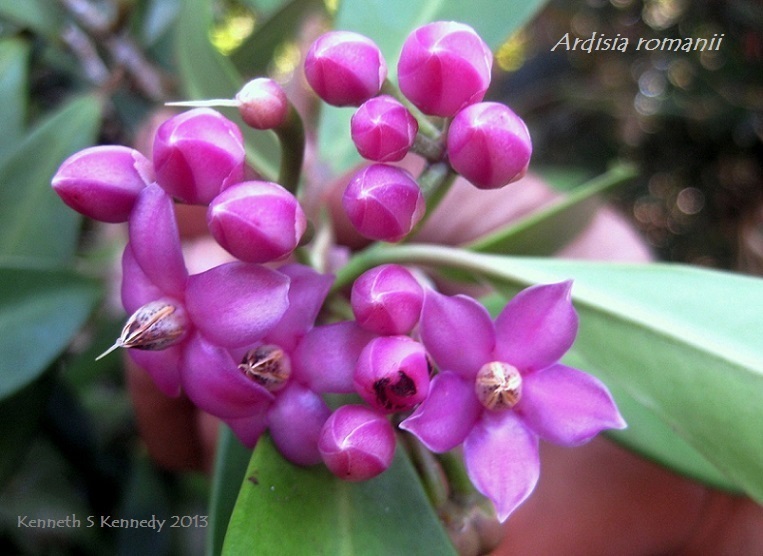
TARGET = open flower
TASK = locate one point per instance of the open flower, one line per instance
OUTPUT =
(501, 387)
(276, 383)
(233, 304)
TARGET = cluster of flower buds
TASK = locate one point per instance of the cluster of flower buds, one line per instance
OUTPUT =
(444, 71)
(244, 341)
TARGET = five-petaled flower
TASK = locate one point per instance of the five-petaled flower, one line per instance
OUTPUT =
(501, 387)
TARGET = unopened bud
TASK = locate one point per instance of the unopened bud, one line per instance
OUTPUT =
(262, 104)
(155, 326)
(103, 182)
(384, 202)
(357, 443)
(383, 129)
(345, 68)
(387, 300)
(443, 67)
(197, 154)
(489, 145)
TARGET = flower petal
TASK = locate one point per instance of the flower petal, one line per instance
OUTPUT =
(307, 291)
(213, 381)
(445, 418)
(537, 327)
(567, 406)
(295, 420)
(137, 288)
(249, 429)
(155, 240)
(325, 359)
(501, 457)
(457, 332)
(163, 366)
(236, 303)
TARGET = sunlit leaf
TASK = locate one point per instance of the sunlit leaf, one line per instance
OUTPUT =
(257, 52)
(207, 74)
(285, 509)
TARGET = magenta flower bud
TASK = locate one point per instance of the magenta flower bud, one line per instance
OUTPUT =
(387, 300)
(443, 67)
(345, 68)
(383, 129)
(489, 145)
(383, 202)
(357, 443)
(256, 221)
(103, 182)
(263, 104)
(392, 373)
(197, 154)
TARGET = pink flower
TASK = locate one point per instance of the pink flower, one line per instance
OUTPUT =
(383, 202)
(383, 130)
(103, 182)
(489, 145)
(392, 374)
(501, 387)
(345, 68)
(197, 154)
(233, 304)
(263, 104)
(387, 300)
(443, 67)
(256, 221)
(357, 443)
(276, 383)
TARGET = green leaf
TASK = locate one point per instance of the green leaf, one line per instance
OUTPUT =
(683, 342)
(207, 74)
(650, 436)
(546, 231)
(256, 52)
(41, 16)
(388, 23)
(34, 223)
(40, 312)
(286, 510)
(14, 70)
(231, 461)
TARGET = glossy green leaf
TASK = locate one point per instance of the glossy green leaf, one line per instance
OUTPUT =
(546, 231)
(14, 64)
(207, 74)
(646, 429)
(231, 461)
(683, 342)
(388, 23)
(34, 223)
(257, 51)
(41, 16)
(40, 312)
(287, 510)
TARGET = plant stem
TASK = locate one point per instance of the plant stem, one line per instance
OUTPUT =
(291, 136)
